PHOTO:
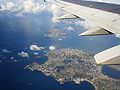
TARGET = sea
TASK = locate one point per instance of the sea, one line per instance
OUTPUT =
(18, 33)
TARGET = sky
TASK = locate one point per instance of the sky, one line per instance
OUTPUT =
(19, 7)
(34, 5)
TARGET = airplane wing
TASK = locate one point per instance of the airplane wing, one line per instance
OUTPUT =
(106, 18)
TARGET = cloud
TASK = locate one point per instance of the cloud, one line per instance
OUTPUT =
(82, 23)
(36, 6)
(60, 39)
(31, 6)
(8, 6)
(36, 48)
(54, 10)
(51, 48)
(19, 14)
(6, 51)
(69, 28)
(20, 7)
(36, 53)
(86, 24)
(2, 7)
(117, 35)
(24, 6)
(56, 13)
(23, 54)
(11, 57)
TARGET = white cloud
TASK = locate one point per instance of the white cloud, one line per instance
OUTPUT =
(117, 35)
(11, 57)
(36, 6)
(82, 23)
(24, 6)
(36, 53)
(8, 6)
(51, 48)
(6, 51)
(2, 7)
(69, 28)
(56, 13)
(19, 14)
(86, 24)
(60, 39)
(36, 48)
(31, 6)
(23, 54)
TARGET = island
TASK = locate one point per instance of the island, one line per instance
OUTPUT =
(70, 64)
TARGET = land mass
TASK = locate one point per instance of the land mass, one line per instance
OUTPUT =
(68, 64)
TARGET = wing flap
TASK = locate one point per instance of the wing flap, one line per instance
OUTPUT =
(95, 31)
(109, 56)
(68, 16)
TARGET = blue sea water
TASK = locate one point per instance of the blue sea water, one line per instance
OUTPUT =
(18, 33)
